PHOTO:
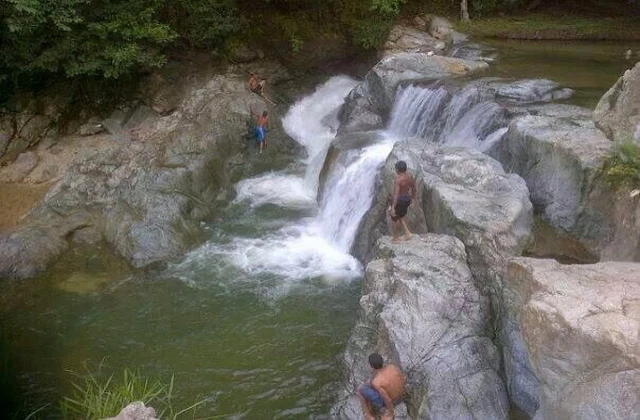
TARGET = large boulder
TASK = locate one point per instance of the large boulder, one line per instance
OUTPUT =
(404, 38)
(462, 193)
(559, 158)
(618, 112)
(368, 105)
(570, 339)
(146, 197)
(421, 309)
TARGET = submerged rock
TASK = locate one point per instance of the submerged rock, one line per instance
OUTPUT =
(618, 112)
(421, 309)
(570, 338)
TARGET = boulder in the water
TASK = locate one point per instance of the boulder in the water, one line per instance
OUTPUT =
(618, 112)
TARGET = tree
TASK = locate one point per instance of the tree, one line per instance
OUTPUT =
(464, 10)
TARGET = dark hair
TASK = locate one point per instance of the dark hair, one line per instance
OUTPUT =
(375, 360)
(264, 114)
(401, 166)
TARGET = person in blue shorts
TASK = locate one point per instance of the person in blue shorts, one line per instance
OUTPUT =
(259, 130)
(378, 397)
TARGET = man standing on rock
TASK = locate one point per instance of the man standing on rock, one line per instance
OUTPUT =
(261, 126)
(384, 389)
(404, 191)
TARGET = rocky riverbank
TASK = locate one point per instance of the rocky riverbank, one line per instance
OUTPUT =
(549, 339)
(142, 179)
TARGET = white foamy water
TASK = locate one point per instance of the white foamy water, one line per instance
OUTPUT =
(349, 192)
(312, 247)
(288, 191)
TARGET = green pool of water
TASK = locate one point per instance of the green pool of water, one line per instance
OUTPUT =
(221, 333)
(590, 68)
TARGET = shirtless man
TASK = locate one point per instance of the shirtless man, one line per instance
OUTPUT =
(384, 389)
(404, 192)
(261, 125)
(256, 85)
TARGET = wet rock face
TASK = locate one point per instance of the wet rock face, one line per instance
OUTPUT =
(570, 336)
(558, 156)
(421, 309)
(369, 103)
(618, 112)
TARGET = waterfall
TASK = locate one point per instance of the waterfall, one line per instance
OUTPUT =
(416, 111)
(349, 192)
(438, 116)
(307, 247)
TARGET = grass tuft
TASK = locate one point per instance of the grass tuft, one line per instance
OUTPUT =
(93, 398)
(622, 168)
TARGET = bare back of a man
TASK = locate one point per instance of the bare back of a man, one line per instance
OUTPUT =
(383, 391)
(391, 380)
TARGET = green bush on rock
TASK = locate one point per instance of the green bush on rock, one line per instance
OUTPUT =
(622, 168)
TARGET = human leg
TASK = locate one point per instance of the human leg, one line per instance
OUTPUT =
(371, 401)
(366, 410)
(407, 233)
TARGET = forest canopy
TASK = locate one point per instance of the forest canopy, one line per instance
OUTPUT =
(106, 39)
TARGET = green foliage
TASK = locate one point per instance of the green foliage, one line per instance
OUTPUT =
(622, 168)
(106, 38)
(96, 399)
(205, 23)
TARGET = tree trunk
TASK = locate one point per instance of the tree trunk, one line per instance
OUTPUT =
(464, 11)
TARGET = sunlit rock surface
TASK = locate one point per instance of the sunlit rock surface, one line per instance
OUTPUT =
(570, 339)
(422, 310)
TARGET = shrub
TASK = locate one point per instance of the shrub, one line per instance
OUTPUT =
(622, 167)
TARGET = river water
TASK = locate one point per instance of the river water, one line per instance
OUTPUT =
(256, 317)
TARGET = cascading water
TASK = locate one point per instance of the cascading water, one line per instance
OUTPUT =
(315, 246)
(457, 120)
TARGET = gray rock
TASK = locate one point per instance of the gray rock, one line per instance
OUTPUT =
(369, 103)
(440, 27)
(22, 166)
(559, 159)
(92, 127)
(136, 411)
(146, 198)
(570, 339)
(471, 51)
(524, 91)
(115, 126)
(463, 193)
(618, 112)
(406, 39)
(421, 309)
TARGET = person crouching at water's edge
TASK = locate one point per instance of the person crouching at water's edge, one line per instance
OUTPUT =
(260, 129)
(379, 396)
(404, 192)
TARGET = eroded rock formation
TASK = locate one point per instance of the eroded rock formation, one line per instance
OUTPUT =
(145, 197)
(570, 339)
(421, 308)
